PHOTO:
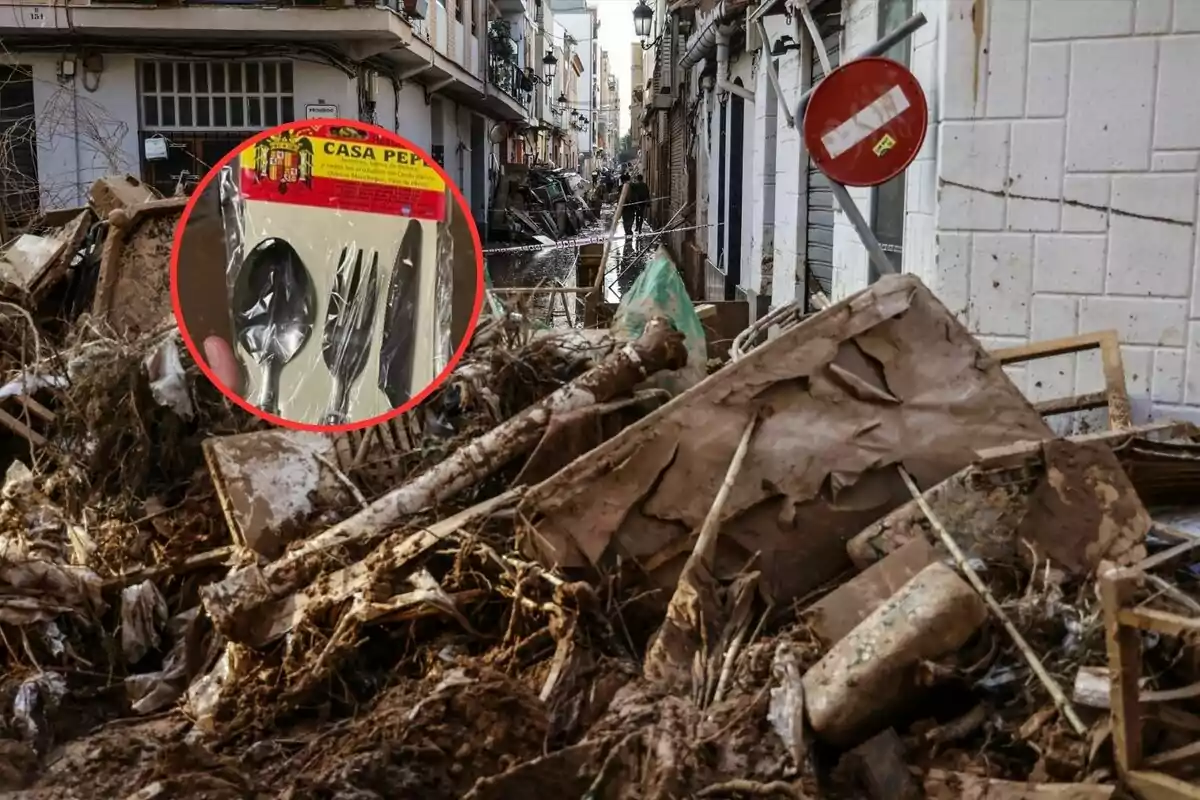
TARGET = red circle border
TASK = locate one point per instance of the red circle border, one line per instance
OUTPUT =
(197, 356)
(820, 158)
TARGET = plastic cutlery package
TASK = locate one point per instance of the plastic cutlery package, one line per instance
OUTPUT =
(339, 272)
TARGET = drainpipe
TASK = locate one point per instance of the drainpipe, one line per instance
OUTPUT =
(702, 45)
(723, 82)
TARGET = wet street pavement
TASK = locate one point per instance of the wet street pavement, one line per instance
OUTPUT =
(556, 265)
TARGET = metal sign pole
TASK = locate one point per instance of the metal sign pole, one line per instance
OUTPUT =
(874, 248)
(901, 33)
(889, 109)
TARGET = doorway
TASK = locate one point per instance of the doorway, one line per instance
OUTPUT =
(722, 180)
(479, 149)
(737, 120)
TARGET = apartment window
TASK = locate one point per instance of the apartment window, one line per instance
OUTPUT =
(887, 201)
(19, 186)
(214, 95)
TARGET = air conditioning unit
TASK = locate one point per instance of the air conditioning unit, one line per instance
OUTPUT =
(662, 101)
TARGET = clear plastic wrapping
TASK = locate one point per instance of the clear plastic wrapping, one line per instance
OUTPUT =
(339, 275)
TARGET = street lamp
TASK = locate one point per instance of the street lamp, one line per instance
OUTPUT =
(550, 63)
(643, 19)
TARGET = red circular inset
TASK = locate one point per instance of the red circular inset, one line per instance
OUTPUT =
(866, 122)
(377, 134)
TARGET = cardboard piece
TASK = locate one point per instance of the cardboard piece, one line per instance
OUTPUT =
(885, 377)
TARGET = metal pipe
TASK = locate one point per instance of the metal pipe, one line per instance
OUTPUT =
(874, 249)
(773, 76)
(906, 29)
(740, 91)
(704, 43)
(723, 83)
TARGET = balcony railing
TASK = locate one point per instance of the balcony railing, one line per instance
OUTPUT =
(510, 79)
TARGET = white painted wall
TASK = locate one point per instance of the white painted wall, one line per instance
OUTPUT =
(1057, 190)
(791, 198)
(83, 135)
(760, 195)
(413, 120)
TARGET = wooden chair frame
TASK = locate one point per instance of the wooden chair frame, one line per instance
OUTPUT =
(1114, 395)
(1124, 623)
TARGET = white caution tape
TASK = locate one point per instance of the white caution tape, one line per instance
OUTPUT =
(579, 242)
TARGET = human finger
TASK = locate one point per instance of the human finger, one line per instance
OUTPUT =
(223, 362)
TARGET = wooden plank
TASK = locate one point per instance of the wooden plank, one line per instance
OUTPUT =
(1048, 348)
(1157, 786)
(21, 429)
(596, 296)
(1124, 645)
(1067, 405)
(37, 409)
(1177, 718)
(1152, 619)
(1189, 753)
(1116, 397)
(1166, 556)
(1120, 413)
(1019, 453)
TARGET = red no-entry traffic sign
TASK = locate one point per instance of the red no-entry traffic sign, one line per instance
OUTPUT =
(865, 122)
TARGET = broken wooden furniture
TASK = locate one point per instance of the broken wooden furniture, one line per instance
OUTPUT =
(1114, 396)
(134, 290)
(306, 472)
(551, 303)
(1124, 624)
(32, 265)
(27, 418)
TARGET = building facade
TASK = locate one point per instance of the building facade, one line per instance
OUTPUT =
(637, 94)
(583, 24)
(1056, 191)
(88, 82)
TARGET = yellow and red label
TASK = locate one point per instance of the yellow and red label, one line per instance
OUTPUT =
(342, 168)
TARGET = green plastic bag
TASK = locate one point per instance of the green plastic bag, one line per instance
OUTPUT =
(659, 292)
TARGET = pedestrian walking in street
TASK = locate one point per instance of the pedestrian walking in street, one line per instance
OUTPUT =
(629, 210)
(639, 194)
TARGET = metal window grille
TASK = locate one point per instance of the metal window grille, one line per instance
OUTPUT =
(19, 187)
(215, 95)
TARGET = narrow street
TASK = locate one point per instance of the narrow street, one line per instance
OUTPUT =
(556, 265)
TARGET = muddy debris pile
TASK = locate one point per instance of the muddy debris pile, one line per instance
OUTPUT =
(539, 203)
(855, 562)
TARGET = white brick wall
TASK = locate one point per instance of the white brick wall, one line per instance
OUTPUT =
(1057, 193)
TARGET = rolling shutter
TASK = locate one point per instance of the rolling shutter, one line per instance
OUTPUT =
(819, 249)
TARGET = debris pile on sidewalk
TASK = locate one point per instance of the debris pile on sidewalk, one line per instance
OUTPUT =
(853, 563)
(538, 204)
